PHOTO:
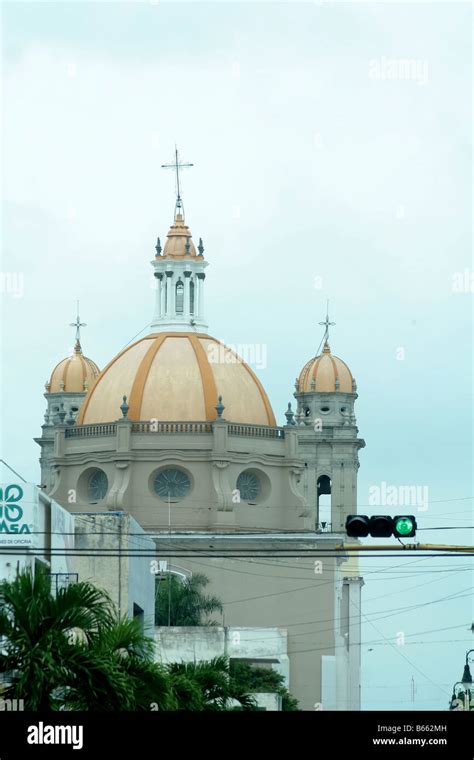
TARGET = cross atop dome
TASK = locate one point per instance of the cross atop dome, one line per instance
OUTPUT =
(326, 324)
(176, 166)
(78, 324)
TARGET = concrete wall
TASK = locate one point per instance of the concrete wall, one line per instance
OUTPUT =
(109, 539)
(193, 644)
(265, 646)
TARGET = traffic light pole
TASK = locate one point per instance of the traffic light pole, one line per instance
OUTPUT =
(406, 547)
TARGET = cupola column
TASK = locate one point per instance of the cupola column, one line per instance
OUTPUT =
(187, 303)
(200, 279)
(169, 276)
(159, 299)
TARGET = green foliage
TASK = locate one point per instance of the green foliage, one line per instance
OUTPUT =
(49, 641)
(183, 602)
(73, 652)
(215, 689)
(252, 679)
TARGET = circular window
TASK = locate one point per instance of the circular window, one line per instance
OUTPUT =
(325, 409)
(171, 483)
(248, 485)
(97, 485)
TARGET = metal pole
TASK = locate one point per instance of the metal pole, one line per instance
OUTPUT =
(401, 547)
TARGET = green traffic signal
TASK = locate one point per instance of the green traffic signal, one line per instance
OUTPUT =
(404, 526)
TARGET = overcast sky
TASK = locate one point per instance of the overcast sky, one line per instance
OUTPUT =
(325, 167)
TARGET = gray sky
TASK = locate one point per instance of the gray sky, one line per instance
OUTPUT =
(325, 167)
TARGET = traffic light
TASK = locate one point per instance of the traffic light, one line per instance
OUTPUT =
(357, 525)
(381, 526)
(404, 526)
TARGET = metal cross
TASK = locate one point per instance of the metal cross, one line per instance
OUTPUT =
(78, 324)
(176, 166)
(327, 324)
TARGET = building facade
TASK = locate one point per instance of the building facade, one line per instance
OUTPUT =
(178, 432)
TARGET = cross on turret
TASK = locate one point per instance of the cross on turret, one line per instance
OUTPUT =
(78, 324)
(176, 166)
(326, 324)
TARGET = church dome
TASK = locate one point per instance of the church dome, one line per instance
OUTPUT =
(74, 374)
(325, 374)
(177, 376)
(179, 244)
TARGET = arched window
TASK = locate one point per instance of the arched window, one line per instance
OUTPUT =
(191, 297)
(179, 297)
(323, 519)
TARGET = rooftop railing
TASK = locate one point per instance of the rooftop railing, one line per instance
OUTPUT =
(175, 428)
(91, 431)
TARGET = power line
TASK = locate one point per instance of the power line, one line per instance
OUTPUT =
(397, 649)
(170, 553)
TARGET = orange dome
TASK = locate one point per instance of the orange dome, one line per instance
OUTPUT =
(177, 376)
(74, 374)
(179, 244)
(325, 374)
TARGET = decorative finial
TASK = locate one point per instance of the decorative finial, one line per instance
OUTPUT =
(297, 385)
(61, 413)
(201, 247)
(326, 348)
(78, 324)
(354, 386)
(327, 324)
(124, 407)
(70, 420)
(187, 246)
(176, 166)
(290, 416)
(158, 248)
(219, 408)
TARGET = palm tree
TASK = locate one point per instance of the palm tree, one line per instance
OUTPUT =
(207, 685)
(120, 648)
(252, 678)
(71, 651)
(183, 603)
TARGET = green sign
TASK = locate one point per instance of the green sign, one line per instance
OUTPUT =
(12, 517)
